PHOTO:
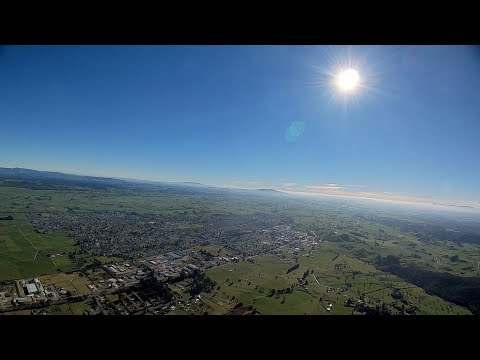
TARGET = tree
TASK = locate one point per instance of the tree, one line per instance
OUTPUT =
(305, 274)
(201, 282)
(152, 282)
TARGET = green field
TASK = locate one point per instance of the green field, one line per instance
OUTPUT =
(25, 253)
(433, 256)
(251, 284)
(21, 200)
(178, 311)
(63, 262)
(17, 312)
(63, 309)
(214, 249)
(73, 282)
(107, 259)
(79, 307)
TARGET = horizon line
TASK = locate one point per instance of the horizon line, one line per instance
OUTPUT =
(411, 199)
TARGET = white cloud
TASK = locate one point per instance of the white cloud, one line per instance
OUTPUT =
(325, 187)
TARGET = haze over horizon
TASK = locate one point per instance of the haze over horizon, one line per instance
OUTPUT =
(329, 192)
(250, 116)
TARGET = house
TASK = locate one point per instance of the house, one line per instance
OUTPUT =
(192, 267)
(19, 300)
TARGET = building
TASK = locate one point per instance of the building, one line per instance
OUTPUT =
(192, 267)
(31, 289)
(111, 270)
(172, 256)
(39, 286)
(19, 300)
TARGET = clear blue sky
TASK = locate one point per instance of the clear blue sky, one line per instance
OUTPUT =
(222, 114)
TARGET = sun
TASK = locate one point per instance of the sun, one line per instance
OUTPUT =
(347, 80)
(346, 76)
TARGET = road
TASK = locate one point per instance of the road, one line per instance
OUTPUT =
(51, 258)
(317, 280)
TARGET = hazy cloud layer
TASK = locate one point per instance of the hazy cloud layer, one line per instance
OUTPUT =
(354, 192)
(323, 187)
(346, 191)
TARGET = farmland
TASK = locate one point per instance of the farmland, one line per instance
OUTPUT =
(24, 252)
(271, 254)
(252, 284)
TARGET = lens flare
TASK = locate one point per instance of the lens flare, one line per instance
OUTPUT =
(294, 131)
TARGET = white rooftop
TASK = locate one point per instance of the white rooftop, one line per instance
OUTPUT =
(31, 288)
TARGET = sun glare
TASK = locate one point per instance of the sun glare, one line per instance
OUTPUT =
(348, 79)
(346, 75)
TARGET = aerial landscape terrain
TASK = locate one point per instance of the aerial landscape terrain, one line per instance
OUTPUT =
(195, 180)
(84, 245)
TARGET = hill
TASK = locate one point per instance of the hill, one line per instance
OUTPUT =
(273, 191)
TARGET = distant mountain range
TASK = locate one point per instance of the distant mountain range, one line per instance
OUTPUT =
(193, 183)
(29, 173)
(460, 206)
(40, 173)
(38, 179)
(270, 191)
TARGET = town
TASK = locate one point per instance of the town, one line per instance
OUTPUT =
(140, 286)
(133, 236)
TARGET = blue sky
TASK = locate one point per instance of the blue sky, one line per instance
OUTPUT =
(251, 116)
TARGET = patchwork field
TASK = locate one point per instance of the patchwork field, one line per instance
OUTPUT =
(338, 269)
(24, 252)
(258, 284)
